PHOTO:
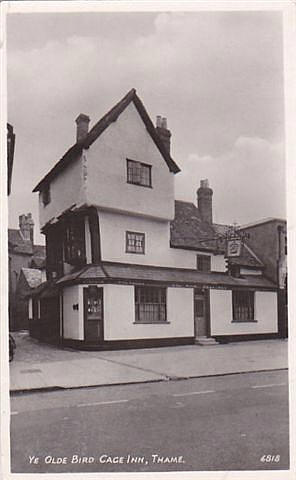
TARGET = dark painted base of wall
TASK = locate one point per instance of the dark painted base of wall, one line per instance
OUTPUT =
(129, 344)
(243, 338)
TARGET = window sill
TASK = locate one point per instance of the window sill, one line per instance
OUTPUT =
(244, 321)
(139, 184)
(151, 323)
(137, 253)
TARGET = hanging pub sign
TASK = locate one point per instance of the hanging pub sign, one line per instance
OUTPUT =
(234, 246)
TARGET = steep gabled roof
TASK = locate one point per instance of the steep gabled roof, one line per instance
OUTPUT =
(110, 117)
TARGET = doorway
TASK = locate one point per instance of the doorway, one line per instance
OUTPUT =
(200, 316)
(93, 314)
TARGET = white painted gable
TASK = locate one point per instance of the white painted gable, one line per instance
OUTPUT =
(106, 182)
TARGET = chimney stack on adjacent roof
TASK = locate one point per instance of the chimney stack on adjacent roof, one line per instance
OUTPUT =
(26, 225)
(204, 201)
(82, 122)
(163, 132)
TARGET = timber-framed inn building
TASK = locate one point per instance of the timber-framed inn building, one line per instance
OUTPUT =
(126, 264)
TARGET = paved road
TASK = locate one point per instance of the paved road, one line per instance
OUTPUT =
(234, 422)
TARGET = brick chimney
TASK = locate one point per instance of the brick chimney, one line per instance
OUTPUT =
(82, 122)
(163, 132)
(204, 201)
(26, 225)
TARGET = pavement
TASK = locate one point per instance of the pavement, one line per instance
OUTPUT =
(38, 366)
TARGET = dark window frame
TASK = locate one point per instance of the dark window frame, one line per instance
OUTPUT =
(243, 306)
(74, 241)
(128, 245)
(205, 263)
(135, 173)
(151, 305)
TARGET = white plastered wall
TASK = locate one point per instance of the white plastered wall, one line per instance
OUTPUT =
(73, 323)
(113, 228)
(221, 314)
(66, 189)
(119, 315)
(107, 185)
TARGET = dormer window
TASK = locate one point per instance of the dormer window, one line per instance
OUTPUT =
(46, 195)
(138, 173)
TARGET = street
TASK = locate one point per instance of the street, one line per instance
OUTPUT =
(231, 422)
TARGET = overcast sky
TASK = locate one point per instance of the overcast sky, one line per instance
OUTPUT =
(216, 76)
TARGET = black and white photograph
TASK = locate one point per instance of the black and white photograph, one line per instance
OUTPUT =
(146, 326)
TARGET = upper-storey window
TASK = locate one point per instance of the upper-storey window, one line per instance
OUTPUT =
(135, 242)
(74, 241)
(138, 173)
(45, 195)
(203, 263)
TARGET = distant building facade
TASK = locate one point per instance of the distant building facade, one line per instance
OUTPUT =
(23, 255)
(127, 265)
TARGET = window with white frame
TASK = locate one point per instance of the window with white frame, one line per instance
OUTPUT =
(243, 305)
(138, 173)
(135, 242)
(150, 305)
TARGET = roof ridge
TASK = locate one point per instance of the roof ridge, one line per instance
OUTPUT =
(120, 106)
(100, 127)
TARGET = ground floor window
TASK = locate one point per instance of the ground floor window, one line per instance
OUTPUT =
(150, 304)
(243, 306)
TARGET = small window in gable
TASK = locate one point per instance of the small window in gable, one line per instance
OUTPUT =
(138, 173)
(46, 195)
(203, 263)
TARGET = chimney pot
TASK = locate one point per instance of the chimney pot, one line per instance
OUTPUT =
(158, 121)
(163, 132)
(82, 122)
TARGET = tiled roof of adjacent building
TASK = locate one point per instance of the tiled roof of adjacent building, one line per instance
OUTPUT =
(189, 231)
(17, 243)
(75, 151)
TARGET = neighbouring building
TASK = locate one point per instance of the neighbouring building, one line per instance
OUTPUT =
(268, 238)
(127, 265)
(23, 257)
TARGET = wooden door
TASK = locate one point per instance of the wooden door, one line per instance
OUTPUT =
(93, 314)
(200, 320)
